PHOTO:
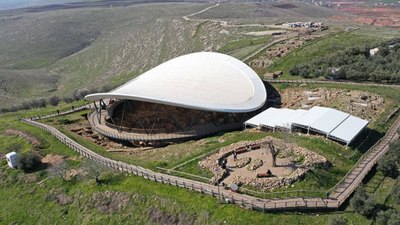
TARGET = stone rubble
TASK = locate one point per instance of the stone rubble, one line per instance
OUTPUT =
(311, 159)
(243, 162)
(255, 164)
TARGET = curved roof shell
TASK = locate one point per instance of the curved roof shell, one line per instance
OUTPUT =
(204, 81)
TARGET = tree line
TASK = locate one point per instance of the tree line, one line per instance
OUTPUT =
(356, 64)
(55, 100)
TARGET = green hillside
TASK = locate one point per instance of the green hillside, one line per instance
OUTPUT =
(64, 50)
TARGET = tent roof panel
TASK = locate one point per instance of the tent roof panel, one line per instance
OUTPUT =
(287, 121)
(329, 120)
(311, 116)
(349, 129)
(262, 117)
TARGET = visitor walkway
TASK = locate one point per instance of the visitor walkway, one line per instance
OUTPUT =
(311, 81)
(102, 128)
(339, 194)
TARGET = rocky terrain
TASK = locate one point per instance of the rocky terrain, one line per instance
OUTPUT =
(363, 104)
(266, 184)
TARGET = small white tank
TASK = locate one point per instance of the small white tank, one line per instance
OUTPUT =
(12, 159)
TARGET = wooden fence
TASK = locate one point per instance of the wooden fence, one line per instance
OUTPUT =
(296, 203)
(302, 81)
(338, 194)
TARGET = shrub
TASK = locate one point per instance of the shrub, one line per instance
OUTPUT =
(394, 218)
(54, 100)
(94, 170)
(80, 94)
(64, 121)
(388, 166)
(383, 217)
(396, 193)
(338, 221)
(68, 99)
(26, 105)
(29, 161)
(38, 103)
(388, 217)
(362, 203)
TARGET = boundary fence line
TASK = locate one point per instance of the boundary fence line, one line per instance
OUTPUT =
(339, 193)
(301, 81)
(62, 113)
(342, 191)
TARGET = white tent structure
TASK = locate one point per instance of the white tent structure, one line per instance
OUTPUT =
(332, 123)
(204, 81)
(274, 118)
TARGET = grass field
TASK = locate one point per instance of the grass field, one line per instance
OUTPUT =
(57, 52)
(319, 48)
(244, 47)
(184, 157)
(65, 50)
(32, 198)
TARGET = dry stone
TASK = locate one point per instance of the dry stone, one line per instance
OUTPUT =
(266, 184)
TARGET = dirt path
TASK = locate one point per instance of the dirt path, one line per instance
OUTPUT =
(199, 12)
(224, 23)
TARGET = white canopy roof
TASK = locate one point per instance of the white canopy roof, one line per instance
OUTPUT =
(204, 80)
(287, 121)
(349, 129)
(273, 117)
(330, 122)
(311, 116)
(265, 118)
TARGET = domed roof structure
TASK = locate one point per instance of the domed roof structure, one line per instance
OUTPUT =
(203, 81)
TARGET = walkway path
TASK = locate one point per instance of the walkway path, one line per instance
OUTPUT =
(302, 81)
(339, 195)
(107, 131)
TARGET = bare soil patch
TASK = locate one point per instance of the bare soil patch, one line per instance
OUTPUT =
(109, 201)
(52, 159)
(285, 6)
(378, 15)
(73, 173)
(61, 198)
(157, 216)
